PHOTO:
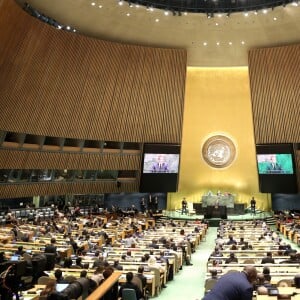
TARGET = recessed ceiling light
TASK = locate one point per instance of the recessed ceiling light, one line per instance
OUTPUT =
(275, 19)
(256, 13)
(93, 3)
(185, 13)
(166, 13)
(205, 44)
(230, 43)
(242, 42)
(100, 6)
(121, 2)
(156, 20)
(151, 8)
(217, 24)
(137, 5)
(128, 14)
(218, 43)
(246, 14)
(264, 11)
(68, 27)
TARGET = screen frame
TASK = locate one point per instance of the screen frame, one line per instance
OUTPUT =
(160, 182)
(277, 183)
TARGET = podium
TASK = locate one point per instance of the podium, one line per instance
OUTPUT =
(213, 211)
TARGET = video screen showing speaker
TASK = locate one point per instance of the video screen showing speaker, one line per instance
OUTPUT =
(160, 168)
(276, 168)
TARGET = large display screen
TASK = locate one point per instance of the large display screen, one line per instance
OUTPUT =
(160, 168)
(275, 163)
(160, 163)
(276, 168)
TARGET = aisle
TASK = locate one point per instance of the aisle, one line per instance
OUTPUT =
(188, 284)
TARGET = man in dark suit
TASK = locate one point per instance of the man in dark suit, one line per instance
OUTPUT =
(130, 285)
(140, 274)
(51, 248)
(268, 259)
(253, 205)
(234, 286)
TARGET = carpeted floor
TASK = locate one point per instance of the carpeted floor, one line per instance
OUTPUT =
(188, 284)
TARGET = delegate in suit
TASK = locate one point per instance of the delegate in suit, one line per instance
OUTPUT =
(234, 286)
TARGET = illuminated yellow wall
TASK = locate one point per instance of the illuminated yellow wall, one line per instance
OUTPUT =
(217, 101)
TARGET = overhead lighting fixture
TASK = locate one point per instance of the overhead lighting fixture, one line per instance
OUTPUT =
(121, 2)
(246, 14)
(265, 11)
(166, 12)
(205, 44)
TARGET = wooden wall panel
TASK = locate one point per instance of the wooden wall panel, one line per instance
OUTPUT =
(18, 159)
(27, 190)
(275, 94)
(57, 83)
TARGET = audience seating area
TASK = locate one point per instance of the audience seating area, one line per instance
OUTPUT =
(239, 244)
(163, 248)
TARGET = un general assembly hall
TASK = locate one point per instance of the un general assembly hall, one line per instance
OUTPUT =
(149, 149)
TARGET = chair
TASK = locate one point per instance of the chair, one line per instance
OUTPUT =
(157, 280)
(70, 279)
(249, 261)
(284, 283)
(209, 284)
(44, 280)
(128, 294)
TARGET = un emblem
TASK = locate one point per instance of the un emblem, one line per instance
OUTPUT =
(218, 151)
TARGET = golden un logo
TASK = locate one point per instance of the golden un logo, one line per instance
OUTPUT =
(218, 151)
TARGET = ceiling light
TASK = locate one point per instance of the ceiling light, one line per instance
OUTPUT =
(275, 19)
(121, 2)
(218, 43)
(295, 3)
(205, 44)
(151, 8)
(128, 14)
(246, 14)
(93, 3)
(242, 42)
(217, 24)
(265, 11)
(230, 43)
(100, 6)
(185, 13)
(166, 13)
(156, 20)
